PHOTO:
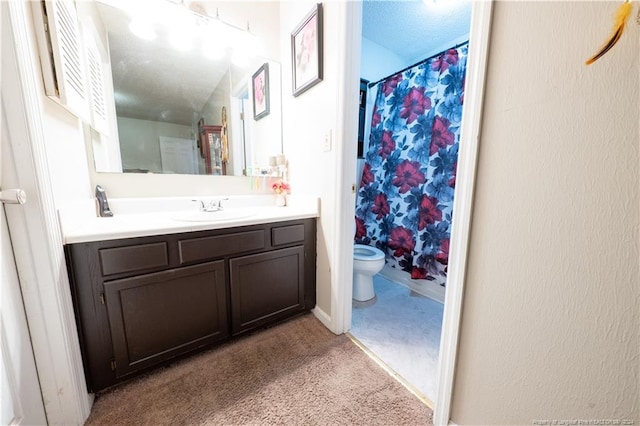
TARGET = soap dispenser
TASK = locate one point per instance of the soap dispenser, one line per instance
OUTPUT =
(102, 203)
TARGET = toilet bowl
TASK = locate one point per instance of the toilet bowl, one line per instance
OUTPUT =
(367, 261)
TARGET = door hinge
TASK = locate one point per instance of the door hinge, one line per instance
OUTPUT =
(113, 365)
(242, 116)
(102, 298)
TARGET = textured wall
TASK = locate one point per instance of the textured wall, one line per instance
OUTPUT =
(550, 318)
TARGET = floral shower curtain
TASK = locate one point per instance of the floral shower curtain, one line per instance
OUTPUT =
(405, 199)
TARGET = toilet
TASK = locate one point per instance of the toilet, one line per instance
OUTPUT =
(367, 261)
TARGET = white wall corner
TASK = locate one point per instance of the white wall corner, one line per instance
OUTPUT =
(324, 318)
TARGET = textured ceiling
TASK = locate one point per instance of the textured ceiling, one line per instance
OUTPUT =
(410, 28)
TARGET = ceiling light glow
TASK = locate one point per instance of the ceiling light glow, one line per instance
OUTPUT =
(142, 29)
(180, 40)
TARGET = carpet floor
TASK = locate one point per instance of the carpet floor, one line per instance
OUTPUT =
(296, 373)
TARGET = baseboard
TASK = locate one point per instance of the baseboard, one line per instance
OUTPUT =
(423, 287)
(324, 318)
(452, 423)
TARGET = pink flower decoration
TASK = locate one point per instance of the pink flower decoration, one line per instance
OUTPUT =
(280, 187)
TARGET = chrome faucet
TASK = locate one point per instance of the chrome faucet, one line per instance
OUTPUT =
(211, 205)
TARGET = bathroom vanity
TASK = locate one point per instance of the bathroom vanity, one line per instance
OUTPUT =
(142, 301)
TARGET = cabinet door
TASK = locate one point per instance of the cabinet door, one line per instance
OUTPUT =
(265, 287)
(157, 316)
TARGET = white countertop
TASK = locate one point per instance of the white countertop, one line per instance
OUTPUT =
(144, 217)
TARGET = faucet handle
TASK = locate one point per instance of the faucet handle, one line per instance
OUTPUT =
(211, 205)
(219, 202)
(201, 203)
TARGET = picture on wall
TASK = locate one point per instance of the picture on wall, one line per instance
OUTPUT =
(260, 85)
(306, 51)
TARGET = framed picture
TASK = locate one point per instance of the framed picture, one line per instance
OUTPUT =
(260, 90)
(306, 51)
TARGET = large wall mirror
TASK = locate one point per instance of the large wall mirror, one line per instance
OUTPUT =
(191, 87)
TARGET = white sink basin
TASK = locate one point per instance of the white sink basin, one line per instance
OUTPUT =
(218, 216)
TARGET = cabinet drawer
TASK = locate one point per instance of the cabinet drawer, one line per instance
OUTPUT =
(287, 234)
(133, 258)
(205, 248)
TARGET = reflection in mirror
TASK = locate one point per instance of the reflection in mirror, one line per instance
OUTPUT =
(183, 97)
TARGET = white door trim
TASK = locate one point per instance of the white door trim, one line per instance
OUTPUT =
(20, 389)
(465, 181)
(350, 33)
(462, 207)
(38, 244)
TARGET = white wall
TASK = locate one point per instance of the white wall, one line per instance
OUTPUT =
(266, 133)
(378, 62)
(550, 319)
(306, 120)
(66, 154)
(140, 143)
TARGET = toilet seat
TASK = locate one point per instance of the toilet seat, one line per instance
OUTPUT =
(367, 253)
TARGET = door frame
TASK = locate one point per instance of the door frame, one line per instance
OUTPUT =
(37, 241)
(479, 35)
(21, 385)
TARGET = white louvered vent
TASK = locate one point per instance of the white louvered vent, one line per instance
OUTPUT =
(99, 116)
(60, 51)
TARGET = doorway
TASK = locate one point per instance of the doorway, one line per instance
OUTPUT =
(417, 65)
(474, 90)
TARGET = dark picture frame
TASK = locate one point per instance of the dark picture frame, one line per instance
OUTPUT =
(306, 51)
(260, 92)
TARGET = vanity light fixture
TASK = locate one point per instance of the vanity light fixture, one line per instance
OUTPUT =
(189, 20)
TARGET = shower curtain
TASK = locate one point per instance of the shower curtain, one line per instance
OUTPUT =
(405, 199)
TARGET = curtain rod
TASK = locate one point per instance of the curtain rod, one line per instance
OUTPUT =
(417, 63)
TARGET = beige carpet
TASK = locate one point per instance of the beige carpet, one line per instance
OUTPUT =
(296, 373)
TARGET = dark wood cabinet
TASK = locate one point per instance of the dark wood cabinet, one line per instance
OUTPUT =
(157, 316)
(265, 287)
(142, 302)
(212, 149)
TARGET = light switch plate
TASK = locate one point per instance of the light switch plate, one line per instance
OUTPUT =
(326, 145)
